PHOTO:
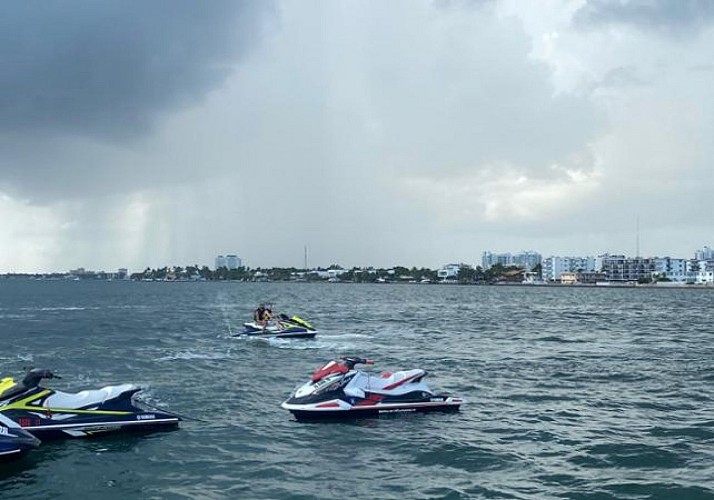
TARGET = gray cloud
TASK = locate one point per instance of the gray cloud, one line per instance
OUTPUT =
(374, 132)
(672, 16)
(109, 69)
(622, 77)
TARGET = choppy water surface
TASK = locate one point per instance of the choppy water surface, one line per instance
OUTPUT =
(572, 393)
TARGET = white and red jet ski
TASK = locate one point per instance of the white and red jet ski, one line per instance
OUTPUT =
(338, 390)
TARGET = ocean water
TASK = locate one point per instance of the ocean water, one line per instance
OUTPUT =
(571, 393)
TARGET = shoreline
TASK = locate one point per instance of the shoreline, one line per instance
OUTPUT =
(600, 286)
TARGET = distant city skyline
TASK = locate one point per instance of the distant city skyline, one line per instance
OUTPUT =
(526, 259)
(374, 133)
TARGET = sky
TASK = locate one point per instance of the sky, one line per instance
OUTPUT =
(411, 132)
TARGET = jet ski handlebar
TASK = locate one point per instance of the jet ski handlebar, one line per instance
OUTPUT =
(36, 375)
(351, 361)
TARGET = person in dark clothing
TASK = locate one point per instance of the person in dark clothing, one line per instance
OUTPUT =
(261, 316)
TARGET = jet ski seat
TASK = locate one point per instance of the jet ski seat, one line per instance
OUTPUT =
(88, 398)
(392, 380)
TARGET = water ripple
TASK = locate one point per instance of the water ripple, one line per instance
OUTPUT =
(571, 393)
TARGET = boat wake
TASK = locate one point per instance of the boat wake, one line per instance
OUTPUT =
(189, 355)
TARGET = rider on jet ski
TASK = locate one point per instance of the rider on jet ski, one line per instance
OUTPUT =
(262, 315)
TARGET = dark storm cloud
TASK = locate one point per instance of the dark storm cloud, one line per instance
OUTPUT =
(675, 16)
(110, 68)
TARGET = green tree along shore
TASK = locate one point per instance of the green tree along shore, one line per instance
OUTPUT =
(396, 274)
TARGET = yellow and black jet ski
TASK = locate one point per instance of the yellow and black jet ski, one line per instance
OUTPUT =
(48, 414)
(283, 327)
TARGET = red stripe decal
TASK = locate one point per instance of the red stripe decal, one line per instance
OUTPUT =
(398, 383)
(328, 405)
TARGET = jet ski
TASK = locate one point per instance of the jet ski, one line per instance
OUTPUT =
(49, 414)
(285, 327)
(14, 442)
(338, 390)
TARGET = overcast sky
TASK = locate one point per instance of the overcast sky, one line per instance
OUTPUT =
(137, 134)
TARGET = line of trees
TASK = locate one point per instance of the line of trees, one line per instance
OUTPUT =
(466, 275)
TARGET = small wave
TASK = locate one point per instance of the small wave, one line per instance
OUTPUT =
(347, 336)
(68, 308)
(303, 345)
(18, 357)
(187, 355)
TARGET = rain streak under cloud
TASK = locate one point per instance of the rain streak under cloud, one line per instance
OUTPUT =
(142, 134)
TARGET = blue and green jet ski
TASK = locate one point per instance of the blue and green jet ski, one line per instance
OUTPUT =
(283, 327)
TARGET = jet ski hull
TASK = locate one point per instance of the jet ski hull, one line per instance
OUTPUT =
(347, 412)
(293, 332)
(95, 427)
(14, 443)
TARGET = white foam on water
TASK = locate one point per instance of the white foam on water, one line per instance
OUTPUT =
(69, 308)
(188, 355)
(347, 336)
(18, 357)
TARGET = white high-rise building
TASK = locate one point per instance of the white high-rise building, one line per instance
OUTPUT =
(229, 261)
(233, 261)
(705, 253)
(625, 269)
(554, 267)
(706, 272)
(525, 260)
(672, 269)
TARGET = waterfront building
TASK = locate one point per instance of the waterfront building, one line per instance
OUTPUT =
(591, 277)
(568, 277)
(705, 253)
(619, 268)
(229, 261)
(450, 271)
(233, 261)
(554, 267)
(582, 277)
(701, 271)
(490, 259)
(526, 260)
(676, 270)
(706, 272)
